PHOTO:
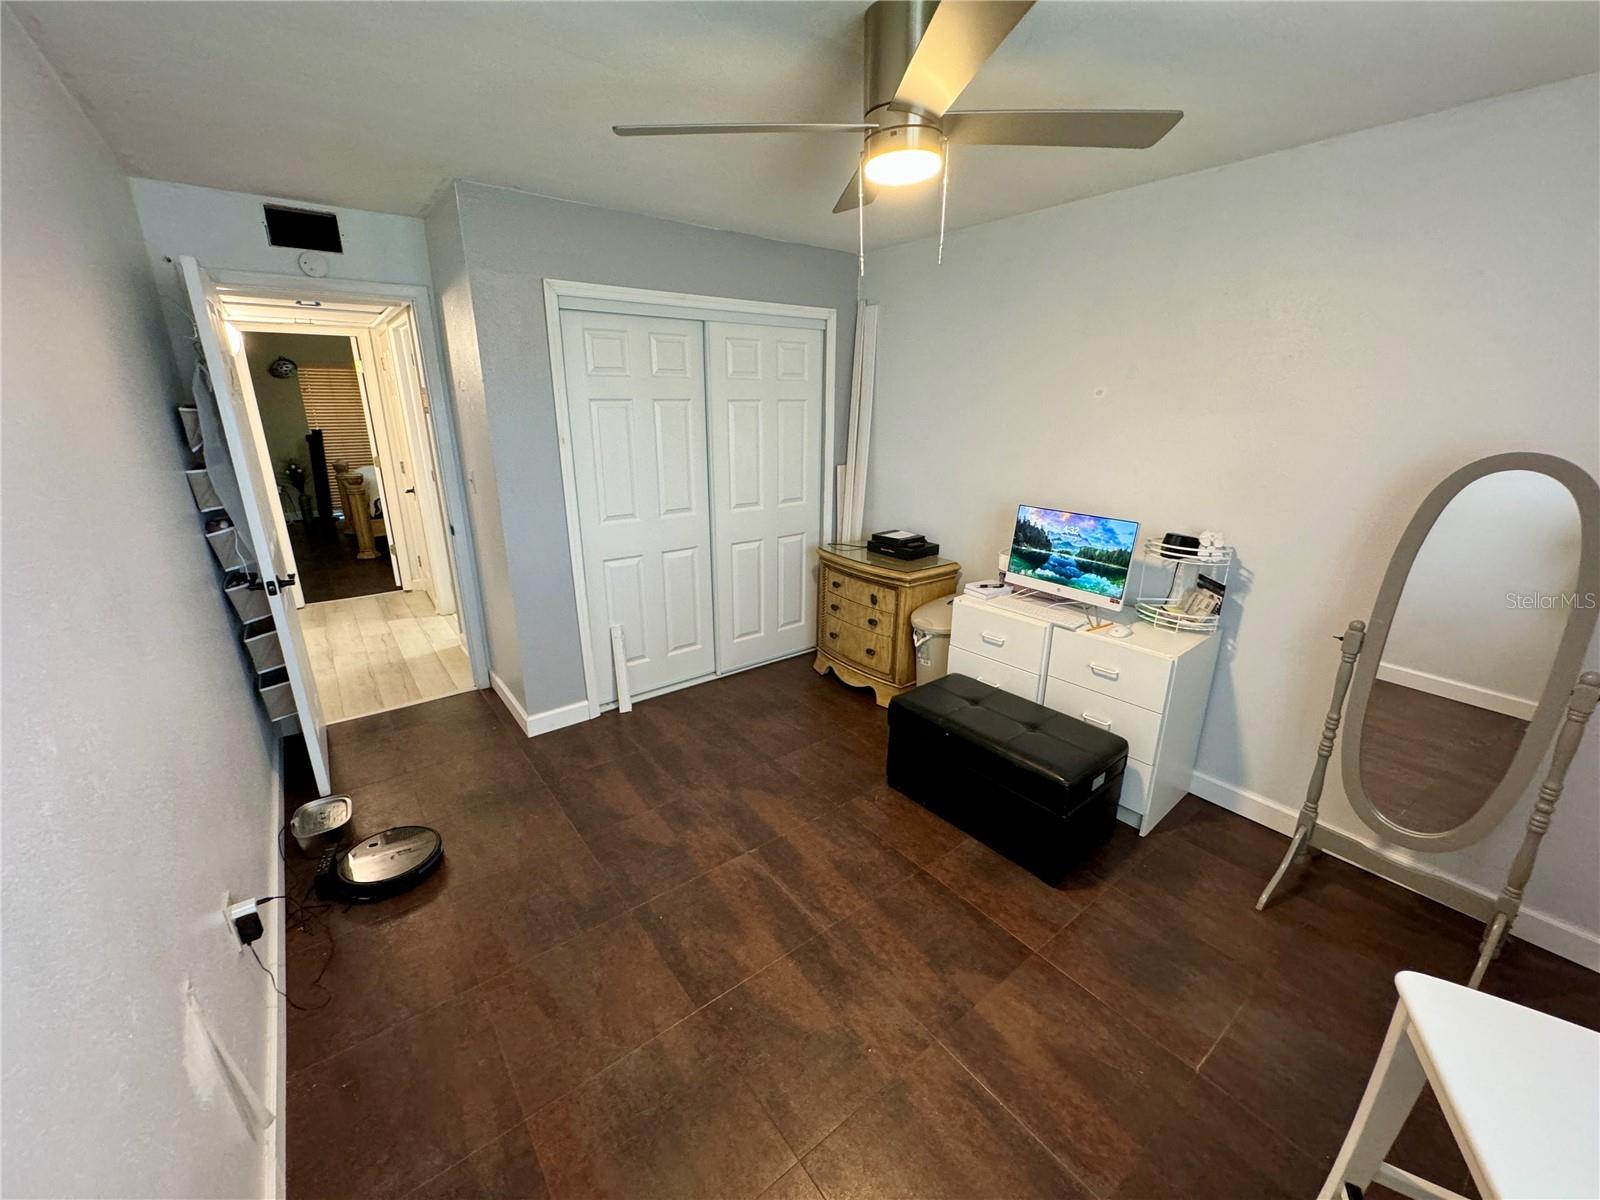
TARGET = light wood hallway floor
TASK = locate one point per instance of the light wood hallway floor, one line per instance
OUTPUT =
(374, 653)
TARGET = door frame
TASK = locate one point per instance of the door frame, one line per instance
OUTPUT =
(441, 420)
(566, 295)
(379, 437)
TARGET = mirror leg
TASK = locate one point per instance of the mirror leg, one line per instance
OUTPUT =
(1300, 847)
(1580, 707)
(1299, 850)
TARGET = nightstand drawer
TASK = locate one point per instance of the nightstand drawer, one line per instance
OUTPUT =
(860, 647)
(860, 591)
(1101, 665)
(1140, 726)
(996, 674)
(998, 635)
(878, 620)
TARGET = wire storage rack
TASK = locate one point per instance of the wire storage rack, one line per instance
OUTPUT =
(1187, 565)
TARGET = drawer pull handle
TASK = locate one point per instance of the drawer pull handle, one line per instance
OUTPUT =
(1100, 721)
(873, 596)
(872, 622)
(1105, 672)
(833, 608)
(833, 635)
(994, 639)
(834, 583)
(871, 652)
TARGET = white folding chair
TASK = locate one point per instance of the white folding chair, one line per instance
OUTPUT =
(1520, 1089)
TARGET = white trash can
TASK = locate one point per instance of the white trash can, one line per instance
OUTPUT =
(930, 634)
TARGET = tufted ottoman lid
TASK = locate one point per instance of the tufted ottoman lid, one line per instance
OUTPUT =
(1027, 742)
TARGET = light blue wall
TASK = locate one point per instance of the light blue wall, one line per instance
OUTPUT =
(1291, 350)
(459, 330)
(513, 242)
(137, 783)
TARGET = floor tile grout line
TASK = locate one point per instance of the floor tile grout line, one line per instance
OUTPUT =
(521, 1122)
(1226, 1029)
(1113, 1010)
(1015, 1116)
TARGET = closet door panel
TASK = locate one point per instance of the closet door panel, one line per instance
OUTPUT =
(636, 413)
(764, 396)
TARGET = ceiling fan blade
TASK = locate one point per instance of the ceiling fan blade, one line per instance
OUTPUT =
(847, 198)
(1124, 129)
(960, 37)
(735, 127)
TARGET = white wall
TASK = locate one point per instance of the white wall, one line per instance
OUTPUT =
(1510, 535)
(1292, 350)
(225, 231)
(511, 242)
(460, 333)
(137, 776)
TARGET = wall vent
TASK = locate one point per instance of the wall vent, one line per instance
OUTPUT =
(302, 229)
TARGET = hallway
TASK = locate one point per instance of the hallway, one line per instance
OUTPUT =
(374, 653)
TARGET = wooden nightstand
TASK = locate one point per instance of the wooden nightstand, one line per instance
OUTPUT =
(864, 607)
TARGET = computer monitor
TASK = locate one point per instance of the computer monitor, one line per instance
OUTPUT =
(1076, 555)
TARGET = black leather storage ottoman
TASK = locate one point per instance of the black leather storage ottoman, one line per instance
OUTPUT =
(1036, 785)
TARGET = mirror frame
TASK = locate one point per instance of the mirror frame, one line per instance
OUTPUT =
(1564, 667)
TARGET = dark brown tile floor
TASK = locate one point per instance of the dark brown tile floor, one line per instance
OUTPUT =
(701, 951)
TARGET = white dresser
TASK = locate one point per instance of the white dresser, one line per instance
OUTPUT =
(1150, 687)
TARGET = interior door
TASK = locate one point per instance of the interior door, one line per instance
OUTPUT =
(636, 416)
(412, 482)
(764, 391)
(382, 458)
(256, 517)
(401, 333)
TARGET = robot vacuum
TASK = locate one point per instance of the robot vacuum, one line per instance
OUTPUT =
(381, 865)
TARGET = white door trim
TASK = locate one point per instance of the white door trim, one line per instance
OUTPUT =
(442, 410)
(600, 297)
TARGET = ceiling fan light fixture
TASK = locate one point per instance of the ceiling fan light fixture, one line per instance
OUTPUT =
(906, 165)
(904, 154)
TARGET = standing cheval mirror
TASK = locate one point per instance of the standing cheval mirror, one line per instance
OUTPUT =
(1465, 673)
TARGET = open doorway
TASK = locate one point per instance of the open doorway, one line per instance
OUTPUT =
(341, 422)
(316, 430)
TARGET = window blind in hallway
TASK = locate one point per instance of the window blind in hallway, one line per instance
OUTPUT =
(332, 399)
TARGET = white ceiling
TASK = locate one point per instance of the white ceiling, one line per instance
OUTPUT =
(377, 105)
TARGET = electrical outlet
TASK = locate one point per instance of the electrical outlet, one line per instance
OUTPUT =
(242, 919)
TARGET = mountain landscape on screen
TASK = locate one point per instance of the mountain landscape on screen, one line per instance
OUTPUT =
(1073, 550)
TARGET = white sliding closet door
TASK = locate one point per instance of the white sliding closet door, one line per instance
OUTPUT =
(636, 408)
(764, 392)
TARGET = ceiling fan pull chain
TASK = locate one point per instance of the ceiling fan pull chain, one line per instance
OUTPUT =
(944, 196)
(861, 215)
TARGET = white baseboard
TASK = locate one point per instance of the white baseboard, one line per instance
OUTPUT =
(1453, 689)
(541, 722)
(1552, 933)
(552, 719)
(509, 699)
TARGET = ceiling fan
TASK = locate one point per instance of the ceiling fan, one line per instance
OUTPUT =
(920, 55)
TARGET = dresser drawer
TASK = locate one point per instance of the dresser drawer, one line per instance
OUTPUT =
(1140, 726)
(858, 646)
(996, 674)
(998, 635)
(861, 591)
(878, 620)
(1101, 665)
